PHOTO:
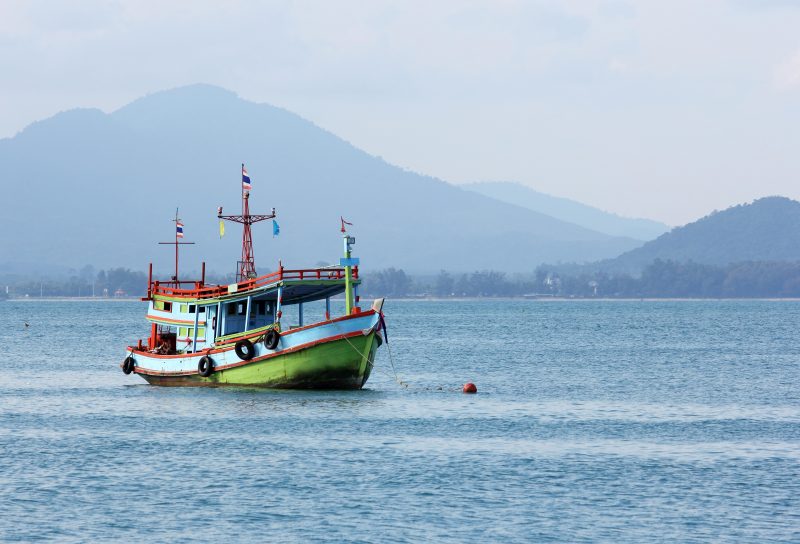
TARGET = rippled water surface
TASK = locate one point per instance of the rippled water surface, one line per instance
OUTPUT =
(594, 421)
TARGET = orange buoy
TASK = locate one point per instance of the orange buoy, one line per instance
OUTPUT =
(469, 387)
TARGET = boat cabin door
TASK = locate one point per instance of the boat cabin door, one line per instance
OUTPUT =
(211, 323)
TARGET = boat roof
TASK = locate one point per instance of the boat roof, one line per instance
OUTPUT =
(303, 285)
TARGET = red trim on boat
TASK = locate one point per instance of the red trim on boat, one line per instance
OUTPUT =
(298, 329)
(207, 351)
(342, 318)
(248, 336)
(274, 278)
(176, 321)
(132, 349)
(307, 345)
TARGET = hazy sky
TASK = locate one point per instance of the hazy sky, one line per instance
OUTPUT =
(665, 109)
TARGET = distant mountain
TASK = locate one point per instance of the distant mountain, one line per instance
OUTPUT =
(766, 230)
(85, 187)
(570, 210)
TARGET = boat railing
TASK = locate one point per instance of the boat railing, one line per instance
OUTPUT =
(200, 291)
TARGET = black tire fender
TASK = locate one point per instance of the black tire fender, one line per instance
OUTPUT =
(271, 339)
(245, 349)
(206, 366)
(128, 365)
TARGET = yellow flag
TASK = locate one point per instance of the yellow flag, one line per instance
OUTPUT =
(221, 228)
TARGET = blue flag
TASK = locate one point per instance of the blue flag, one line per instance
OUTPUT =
(276, 229)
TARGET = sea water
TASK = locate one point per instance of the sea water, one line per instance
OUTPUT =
(615, 421)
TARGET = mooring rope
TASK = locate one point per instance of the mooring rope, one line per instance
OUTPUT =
(416, 387)
(391, 360)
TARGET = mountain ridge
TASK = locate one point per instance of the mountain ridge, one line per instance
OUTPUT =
(108, 183)
(570, 210)
(760, 230)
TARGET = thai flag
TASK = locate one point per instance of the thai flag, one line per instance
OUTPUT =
(245, 180)
(179, 229)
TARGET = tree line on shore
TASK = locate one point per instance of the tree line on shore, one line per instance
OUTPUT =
(111, 283)
(120, 282)
(660, 279)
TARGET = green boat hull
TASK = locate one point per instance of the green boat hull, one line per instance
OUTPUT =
(345, 363)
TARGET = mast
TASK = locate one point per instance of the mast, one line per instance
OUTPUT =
(247, 266)
(348, 262)
(176, 243)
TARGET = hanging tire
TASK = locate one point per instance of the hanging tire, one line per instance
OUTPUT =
(245, 349)
(128, 365)
(206, 366)
(271, 339)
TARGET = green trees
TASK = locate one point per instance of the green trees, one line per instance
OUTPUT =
(671, 279)
(444, 284)
(390, 282)
(659, 279)
(83, 284)
(121, 279)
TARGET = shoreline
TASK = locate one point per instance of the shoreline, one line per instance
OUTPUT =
(453, 299)
(599, 299)
(71, 299)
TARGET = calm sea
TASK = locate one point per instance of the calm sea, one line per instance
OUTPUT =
(595, 421)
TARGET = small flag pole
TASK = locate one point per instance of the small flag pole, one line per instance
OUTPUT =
(176, 243)
(176, 246)
(347, 262)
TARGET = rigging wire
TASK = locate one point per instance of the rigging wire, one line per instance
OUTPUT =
(391, 359)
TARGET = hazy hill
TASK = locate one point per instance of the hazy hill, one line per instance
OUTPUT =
(570, 210)
(89, 187)
(765, 230)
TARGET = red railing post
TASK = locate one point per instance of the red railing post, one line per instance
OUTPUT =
(198, 289)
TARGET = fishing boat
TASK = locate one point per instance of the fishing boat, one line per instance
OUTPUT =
(236, 334)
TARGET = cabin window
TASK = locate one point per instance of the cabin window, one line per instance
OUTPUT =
(231, 308)
(162, 305)
(242, 308)
(261, 307)
(201, 332)
(184, 308)
(183, 331)
(202, 309)
(192, 308)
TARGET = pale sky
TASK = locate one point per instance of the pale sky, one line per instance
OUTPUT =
(664, 109)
